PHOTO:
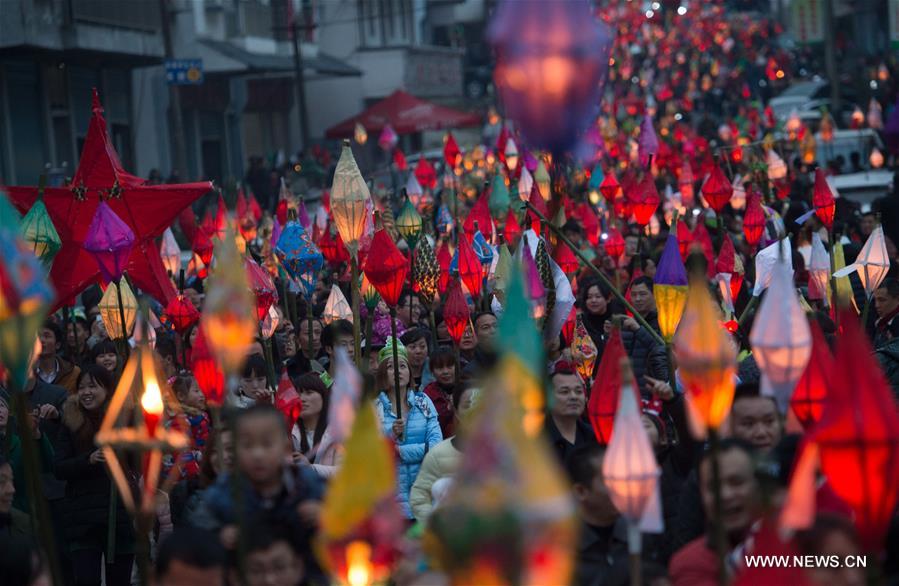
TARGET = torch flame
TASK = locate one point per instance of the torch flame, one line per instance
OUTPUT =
(359, 570)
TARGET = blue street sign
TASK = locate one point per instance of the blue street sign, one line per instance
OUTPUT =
(184, 71)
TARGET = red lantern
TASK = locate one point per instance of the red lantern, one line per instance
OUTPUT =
(717, 190)
(425, 173)
(702, 238)
(181, 313)
(736, 283)
(565, 258)
(456, 314)
(822, 199)
(858, 436)
(614, 244)
(590, 222)
(210, 377)
(753, 220)
(262, 286)
(444, 259)
(512, 229)
(684, 240)
(480, 213)
(610, 188)
(451, 152)
(607, 389)
(399, 159)
(645, 200)
(203, 246)
(470, 269)
(386, 268)
(812, 389)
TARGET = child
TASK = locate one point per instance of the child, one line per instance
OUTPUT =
(443, 367)
(253, 386)
(270, 487)
(193, 404)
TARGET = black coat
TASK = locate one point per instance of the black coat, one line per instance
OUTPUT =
(86, 510)
(647, 355)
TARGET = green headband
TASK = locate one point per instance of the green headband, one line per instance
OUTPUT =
(387, 351)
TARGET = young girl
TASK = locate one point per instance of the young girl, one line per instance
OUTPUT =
(443, 367)
(193, 405)
(311, 438)
(88, 486)
(253, 387)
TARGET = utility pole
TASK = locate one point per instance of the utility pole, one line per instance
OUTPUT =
(176, 122)
(830, 62)
(299, 80)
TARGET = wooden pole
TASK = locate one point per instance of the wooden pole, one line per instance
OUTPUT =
(396, 365)
(354, 295)
(718, 537)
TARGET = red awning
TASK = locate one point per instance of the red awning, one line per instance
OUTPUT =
(406, 114)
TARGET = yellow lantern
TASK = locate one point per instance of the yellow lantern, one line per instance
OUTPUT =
(229, 315)
(808, 147)
(706, 360)
(511, 154)
(670, 286)
(360, 134)
(350, 198)
(876, 158)
(133, 422)
(111, 314)
(337, 307)
(541, 176)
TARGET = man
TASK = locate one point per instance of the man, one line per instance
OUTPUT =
(51, 367)
(754, 420)
(12, 521)
(302, 336)
(409, 309)
(273, 557)
(564, 426)
(190, 556)
(886, 303)
(337, 334)
(867, 224)
(696, 564)
(603, 537)
(647, 355)
(485, 328)
(643, 300)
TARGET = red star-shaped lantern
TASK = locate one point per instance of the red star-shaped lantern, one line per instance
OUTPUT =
(717, 190)
(822, 199)
(386, 268)
(147, 209)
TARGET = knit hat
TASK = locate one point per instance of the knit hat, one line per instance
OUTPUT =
(387, 351)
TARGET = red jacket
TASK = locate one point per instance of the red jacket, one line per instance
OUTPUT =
(695, 564)
(443, 402)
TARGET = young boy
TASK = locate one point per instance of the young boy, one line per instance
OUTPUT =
(270, 487)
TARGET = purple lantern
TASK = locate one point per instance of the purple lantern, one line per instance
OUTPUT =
(551, 62)
(648, 142)
(109, 240)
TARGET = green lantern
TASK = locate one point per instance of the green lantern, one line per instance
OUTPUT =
(9, 217)
(40, 234)
(408, 223)
(499, 197)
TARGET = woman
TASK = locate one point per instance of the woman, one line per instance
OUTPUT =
(416, 431)
(104, 353)
(597, 307)
(311, 438)
(416, 343)
(88, 511)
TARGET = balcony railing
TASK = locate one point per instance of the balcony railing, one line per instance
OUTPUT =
(133, 14)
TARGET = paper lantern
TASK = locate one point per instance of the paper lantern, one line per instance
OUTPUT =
(565, 258)
(205, 368)
(37, 229)
(332, 248)
(110, 313)
(360, 134)
(451, 153)
(876, 158)
(386, 268)
(583, 350)
(614, 244)
(399, 159)
(533, 283)
(647, 141)
(132, 423)
(456, 314)
(469, 267)
(812, 389)
(777, 168)
(542, 181)
(408, 224)
(717, 189)
(349, 199)
(445, 221)
(819, 271)
(425, 272)
(387, 139)
(479, 218)
(512, 229)
(629, 468)
(670, 288)
(822, 199)
(685, 183)
(511, 154)
(610, 188)
(808, 147)
(170, 253)
(606, 392)
(229, 316)
(300, 257)
(203, 247)
(262, 286)
(181, 313)
(444, 260)
(753, 220)
(645, 200)
(781, 339)
(551, 60)
(872, 262)
(525, 184)
(499, 201)
(858, 436)
(109, 240)
(337, 307)
(706, 359)
(25, 298)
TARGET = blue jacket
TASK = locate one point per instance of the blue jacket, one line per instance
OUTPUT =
(422, 431)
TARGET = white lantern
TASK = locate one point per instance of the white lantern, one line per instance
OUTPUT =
(525, 184)
(271, 322)
(170, 253)
(777, 168)
(511, 154)
(872, 262)
(765, 261)
(819, 271)
(111, 314)
(781, 338)
(337, 307)
(360, 134)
